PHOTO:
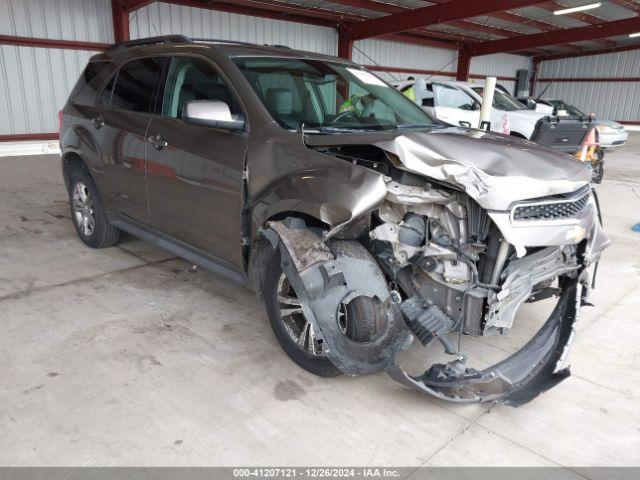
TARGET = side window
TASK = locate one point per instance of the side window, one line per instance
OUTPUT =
(194, 79)
(104, 97)
(447, 96)
(428, 97)
(92, 77)
(136, 83)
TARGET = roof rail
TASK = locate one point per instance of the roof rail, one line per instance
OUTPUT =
(219, 40)
(172, 39)
(235, 42)
(151, 41)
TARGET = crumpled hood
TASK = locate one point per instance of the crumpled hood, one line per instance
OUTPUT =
(495, 170)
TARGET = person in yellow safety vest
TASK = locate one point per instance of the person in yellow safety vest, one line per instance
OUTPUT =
(355, 104)
(410, 93)
(366, 106)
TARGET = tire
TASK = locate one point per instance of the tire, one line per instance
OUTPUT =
(368, 317)
(87, 214)
(365, 316)
(598, 169)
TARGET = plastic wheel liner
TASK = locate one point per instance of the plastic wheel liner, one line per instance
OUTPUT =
(323, 283)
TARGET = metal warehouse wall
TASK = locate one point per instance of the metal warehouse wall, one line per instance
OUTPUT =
(607, 85)
(388, 54)
(405, 57)
(501, 65)
(163, 19)
(35, 82)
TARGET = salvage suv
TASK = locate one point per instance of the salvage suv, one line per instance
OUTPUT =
(362, 222)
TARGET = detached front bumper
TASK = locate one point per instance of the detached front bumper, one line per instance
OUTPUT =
(534, 369)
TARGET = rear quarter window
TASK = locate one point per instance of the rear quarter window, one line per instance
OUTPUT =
(136, 83)
(94, 74)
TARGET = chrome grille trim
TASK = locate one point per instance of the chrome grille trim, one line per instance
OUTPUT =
(557, 209)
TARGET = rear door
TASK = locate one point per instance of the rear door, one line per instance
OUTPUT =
(194, 173)
(126, 108)
(455, 106)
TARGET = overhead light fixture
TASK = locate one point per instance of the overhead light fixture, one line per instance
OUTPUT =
(634, 35)
(581, 8)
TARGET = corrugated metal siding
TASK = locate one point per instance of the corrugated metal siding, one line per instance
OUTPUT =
(500, 64)
(395, 54)
(34, 85)
(610, 100)
(164, 19)
(618, 64)
(81, 20)
(404, 55)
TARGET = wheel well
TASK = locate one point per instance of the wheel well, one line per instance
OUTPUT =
(72, 161)
(516, 134)
(310, 220)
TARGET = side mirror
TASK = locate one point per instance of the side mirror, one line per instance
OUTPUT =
(476, 105)
(212, 113)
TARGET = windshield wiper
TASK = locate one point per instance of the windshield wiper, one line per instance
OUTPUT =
(404, 126)
(358, 129)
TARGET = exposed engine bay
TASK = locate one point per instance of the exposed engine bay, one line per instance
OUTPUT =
(445, 264)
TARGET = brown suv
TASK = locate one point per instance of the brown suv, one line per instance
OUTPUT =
(362, 222)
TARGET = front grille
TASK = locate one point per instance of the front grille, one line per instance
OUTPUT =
(552, 210)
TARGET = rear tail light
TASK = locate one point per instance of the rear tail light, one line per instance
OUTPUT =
(59, 121)
(588, 151)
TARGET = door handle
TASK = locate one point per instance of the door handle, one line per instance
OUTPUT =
(97, 122)
(158, 141)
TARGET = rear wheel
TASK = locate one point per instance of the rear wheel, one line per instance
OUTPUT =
(361, 319)
(87, 214)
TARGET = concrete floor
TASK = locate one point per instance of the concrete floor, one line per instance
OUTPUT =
(126, 356)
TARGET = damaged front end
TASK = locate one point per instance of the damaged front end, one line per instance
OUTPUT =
(445, 265)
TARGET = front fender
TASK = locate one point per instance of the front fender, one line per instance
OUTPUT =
(331, 190)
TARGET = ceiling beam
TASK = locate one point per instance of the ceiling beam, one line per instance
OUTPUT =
(527, 22)
(513, 18)
(581, 16)
(579, 34)
(477, 27)
(628, 4)
(390, 8)
(279, 10)
(432, 15)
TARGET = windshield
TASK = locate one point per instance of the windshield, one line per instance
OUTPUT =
(561, 107)
(502, 100)
(319, 94)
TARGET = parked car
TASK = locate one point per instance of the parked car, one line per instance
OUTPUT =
(361, 221)
(610, 134)
(458, 103)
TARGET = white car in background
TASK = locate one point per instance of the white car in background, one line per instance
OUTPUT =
(458, 103)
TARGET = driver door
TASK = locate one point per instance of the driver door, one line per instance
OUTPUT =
(194, 173)
(455, 107)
